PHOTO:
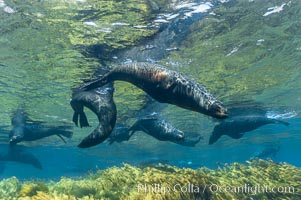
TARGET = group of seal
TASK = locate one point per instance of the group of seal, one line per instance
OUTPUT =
(165, 86)
(162, 84)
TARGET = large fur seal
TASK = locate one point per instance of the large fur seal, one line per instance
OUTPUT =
(25, 129)
(100, 101)
(164, 85)
(236, 126)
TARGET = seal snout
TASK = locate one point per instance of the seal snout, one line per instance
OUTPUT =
(218, 110)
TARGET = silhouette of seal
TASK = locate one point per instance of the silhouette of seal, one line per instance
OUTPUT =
(236, 126)
(99, 101)
(165, 86)
(17, 154)
(158, 128)
(267, 152)
(25, 129)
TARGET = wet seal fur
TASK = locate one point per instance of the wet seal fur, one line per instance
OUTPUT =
(165, 86)
(99, 101)
(25, 129)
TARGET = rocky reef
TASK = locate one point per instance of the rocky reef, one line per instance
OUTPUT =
(259, 179)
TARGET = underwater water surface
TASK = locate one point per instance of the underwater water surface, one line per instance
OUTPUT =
(245, 52)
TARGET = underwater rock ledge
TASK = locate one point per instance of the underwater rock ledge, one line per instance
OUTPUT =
(262, 179)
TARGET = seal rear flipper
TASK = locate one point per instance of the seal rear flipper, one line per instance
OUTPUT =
(83, 121)
(66, 133)
(75, 118)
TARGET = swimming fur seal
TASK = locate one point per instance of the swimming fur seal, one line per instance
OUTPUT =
(236, 126)
(159, 128)
(165, 86)
(100, 101)
(25, 129)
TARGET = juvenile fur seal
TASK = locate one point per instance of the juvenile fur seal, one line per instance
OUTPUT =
(236, 126)
(165, 86)
(159, 128)
(100, 101)
(25, 129)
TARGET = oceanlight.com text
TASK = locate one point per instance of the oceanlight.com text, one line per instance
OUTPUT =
(214, 188)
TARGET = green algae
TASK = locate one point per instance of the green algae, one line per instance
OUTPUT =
(232, 181)
(238, 52)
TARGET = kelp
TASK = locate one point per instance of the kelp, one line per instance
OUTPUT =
(264, 179)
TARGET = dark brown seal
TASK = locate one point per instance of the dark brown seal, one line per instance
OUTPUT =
(164, 85)
(100, 101)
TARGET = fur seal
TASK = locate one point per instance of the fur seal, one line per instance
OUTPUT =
(99, 101)
(165, 86)
(25, 129)
(236, 126)
(159, 128)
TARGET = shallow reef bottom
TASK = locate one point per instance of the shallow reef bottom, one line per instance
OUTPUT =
(257, 179)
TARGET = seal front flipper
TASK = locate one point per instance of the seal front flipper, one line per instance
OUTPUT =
(61, 138)
(214, 137)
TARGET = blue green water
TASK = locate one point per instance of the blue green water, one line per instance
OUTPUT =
(46, 48)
